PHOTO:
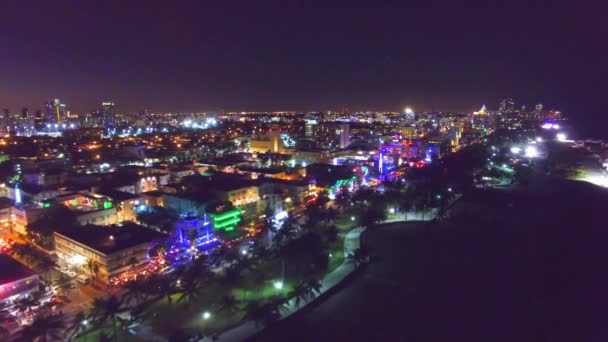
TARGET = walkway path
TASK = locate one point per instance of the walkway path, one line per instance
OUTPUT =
(249, 328)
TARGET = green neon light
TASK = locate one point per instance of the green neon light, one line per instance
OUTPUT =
(107, 205)
(226, 223)
(46, 205)
(226, 215)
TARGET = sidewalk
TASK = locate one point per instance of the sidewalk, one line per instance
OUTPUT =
(247, 329)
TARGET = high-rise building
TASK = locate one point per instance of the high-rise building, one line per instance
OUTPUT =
(344, 132)
(5, 120)
(507, 106)
(56, 113)
(39, 120)
(108, 114)
(538, 110)
(310, 126)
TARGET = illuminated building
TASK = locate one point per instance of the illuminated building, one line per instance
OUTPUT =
(125, 203)
(269, 142)
(108, 114)
(310, 127)
(116, 249)
(507, 106)
(16, 280)
(56, 112)
(88, 208)
(344, 132)
(225, 217)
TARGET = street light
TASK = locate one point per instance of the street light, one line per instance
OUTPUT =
(206, 315)
(352, 218)
(85, 322)
(278, 285)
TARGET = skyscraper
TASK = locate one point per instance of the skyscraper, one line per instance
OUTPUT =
(344, 130)
(507, 106)
(56, 112)
(108, 114)
(310, 126)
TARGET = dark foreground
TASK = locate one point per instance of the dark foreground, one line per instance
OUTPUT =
(526, 265)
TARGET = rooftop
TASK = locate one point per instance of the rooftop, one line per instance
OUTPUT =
(117, 195)
(12, 270)
(110, 239)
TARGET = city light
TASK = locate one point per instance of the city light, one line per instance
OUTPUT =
(531, 152)
(408, 110)
(561, 137)
(515, 150)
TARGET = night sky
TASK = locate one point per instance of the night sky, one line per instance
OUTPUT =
(303, 55)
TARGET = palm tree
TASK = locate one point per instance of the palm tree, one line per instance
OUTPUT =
(26, 303)
(45, 264)
(107, 309)
(299, 294)
(93, 267)
(313, 287)
(189, 287)
(161, 286)
(135, 290)
(262, 314)
(77, 325)
(44, 328)
(62, 284)
(372, 216)
(229, 303)
(359, 257)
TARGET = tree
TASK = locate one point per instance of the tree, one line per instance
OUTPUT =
(189, 287)
(162, 285)
(136, 290)
(262, 314)
(229, 303)
(45, 265)
(343, 198)
(93, 267)
(107, 309)
(372, 216)
(77, 325)
(359, 257)
(62, 284)
(27, 303)
(44, 328)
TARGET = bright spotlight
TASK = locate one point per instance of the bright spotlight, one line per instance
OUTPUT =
(408, 110)
(561, 136)
(531, 152)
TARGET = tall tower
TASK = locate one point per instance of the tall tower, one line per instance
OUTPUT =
(56, 112)
(310, 126)
(108, 114)
(344, 135)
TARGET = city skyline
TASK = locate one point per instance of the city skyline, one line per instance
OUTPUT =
(299, 56)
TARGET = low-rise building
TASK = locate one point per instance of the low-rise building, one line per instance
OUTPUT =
(115, 249)
(16, 280)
